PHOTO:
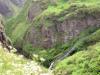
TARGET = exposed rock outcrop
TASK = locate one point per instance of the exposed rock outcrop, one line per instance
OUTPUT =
(7, 7)
(37, 7)
(3, 37)
(60, 31)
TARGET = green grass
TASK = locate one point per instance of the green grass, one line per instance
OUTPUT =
(12, 64)
(85, 62)
(17, 26)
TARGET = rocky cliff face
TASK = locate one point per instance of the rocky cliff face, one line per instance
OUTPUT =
(61, 31)
(4, 9)
(37, 7)
(34, 10)
(7, 6)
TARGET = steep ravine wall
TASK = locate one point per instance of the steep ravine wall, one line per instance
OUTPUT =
(42, 26)
(60, 32)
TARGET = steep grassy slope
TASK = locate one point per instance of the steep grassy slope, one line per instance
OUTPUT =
(64, 10)
(17, 26)
(12, 64)
(85, 62)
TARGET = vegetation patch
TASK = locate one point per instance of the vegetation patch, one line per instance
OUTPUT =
(85, 62)
(12, 64)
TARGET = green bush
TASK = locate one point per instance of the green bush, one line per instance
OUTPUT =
(82, 63)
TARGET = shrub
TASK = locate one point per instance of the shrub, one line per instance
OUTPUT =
(82, 63)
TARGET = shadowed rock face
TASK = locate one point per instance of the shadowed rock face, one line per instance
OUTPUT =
(38, 6)
(35, 9)
(6, 6)
(5, 9)
(61, 32)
